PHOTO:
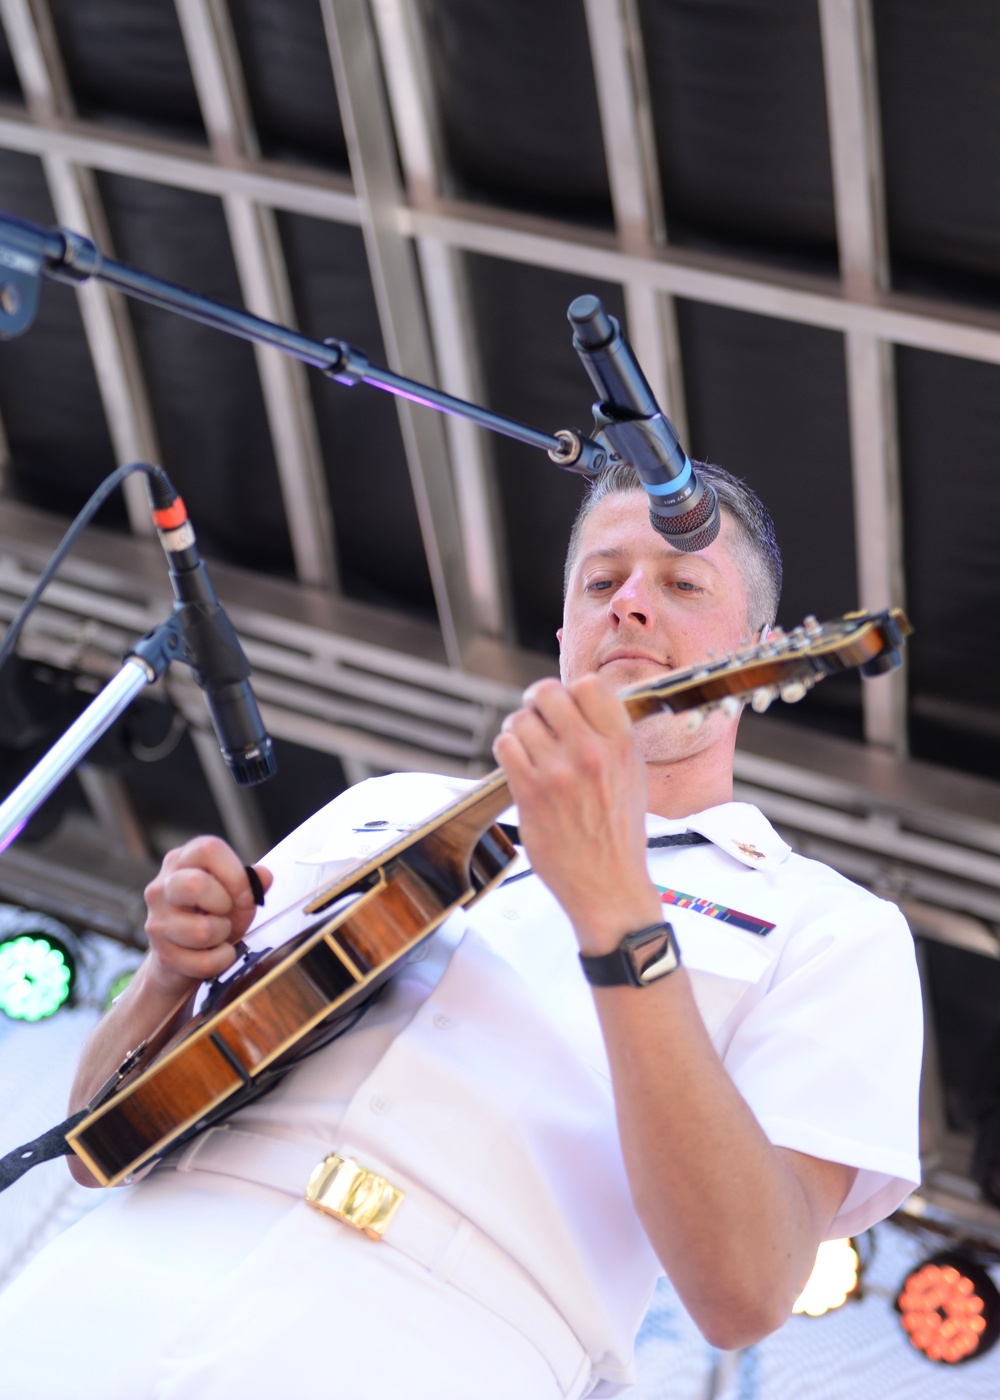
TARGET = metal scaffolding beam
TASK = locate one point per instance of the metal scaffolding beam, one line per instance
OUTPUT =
(633, 173)
(450, 318)
(718, 280)
(183, 165)
(260, 265)
(374, 166)
(77, 203)
(859, 199)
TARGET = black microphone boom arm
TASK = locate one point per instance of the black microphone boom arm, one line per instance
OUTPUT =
(29, 252)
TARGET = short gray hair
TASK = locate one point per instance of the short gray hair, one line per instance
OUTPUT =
(755, 545)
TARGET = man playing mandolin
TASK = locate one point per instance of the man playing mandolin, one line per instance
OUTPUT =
(711, 1102)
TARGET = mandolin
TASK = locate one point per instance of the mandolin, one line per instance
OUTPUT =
(274, 1007)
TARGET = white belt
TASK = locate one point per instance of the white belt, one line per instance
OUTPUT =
(423, 1228)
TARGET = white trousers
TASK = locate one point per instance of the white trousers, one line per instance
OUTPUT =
(192, 1287)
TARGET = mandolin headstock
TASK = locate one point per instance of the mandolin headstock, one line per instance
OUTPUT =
(785, 666)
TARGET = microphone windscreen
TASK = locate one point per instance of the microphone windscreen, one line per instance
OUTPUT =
(694, 528)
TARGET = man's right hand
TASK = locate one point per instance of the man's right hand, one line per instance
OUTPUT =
(198, 906)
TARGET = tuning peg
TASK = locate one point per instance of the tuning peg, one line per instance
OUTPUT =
(730, 707)
(762, 697)
(792, 691)
(812, 626)
(693, 719)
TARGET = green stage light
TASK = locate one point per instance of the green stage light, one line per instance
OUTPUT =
(37, 968)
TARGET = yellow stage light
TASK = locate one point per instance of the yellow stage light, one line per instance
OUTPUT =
(833, 1279)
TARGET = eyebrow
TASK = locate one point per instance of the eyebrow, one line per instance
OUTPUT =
(609, 553)
(613, 552)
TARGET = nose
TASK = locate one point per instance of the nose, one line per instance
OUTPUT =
(631, 603)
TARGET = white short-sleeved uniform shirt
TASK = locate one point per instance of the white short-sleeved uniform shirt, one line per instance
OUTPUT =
(482, 1075)
(479, 1077)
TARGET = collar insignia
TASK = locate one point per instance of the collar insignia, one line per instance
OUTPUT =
(749, 850)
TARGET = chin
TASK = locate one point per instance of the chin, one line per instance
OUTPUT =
(632, 672)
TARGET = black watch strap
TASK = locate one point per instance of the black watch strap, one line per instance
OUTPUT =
(641, 958)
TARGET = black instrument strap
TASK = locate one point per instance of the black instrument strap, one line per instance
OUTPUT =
(43, 1149)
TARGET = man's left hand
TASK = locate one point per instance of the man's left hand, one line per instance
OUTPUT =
(580, 788)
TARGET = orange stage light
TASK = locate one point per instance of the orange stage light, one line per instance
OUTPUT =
(950, 1309)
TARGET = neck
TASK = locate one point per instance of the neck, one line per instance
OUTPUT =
(679, 786)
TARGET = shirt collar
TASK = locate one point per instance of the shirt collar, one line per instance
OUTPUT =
(737, 828)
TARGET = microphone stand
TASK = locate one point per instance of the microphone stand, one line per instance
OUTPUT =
(29, 252)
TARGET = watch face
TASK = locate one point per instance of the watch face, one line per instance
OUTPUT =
(653, 955)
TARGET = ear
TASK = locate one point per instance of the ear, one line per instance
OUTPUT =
(559, 633)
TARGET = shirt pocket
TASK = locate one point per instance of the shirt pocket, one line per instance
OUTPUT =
(722, 962)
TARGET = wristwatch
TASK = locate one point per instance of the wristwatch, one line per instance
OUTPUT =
(639, 959)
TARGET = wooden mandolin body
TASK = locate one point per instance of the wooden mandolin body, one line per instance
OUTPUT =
(256, 1023)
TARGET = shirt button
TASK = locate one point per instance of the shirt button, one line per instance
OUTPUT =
(443, 1022)
(510, 913)
(377, 1105)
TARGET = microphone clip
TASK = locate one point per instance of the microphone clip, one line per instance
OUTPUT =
(649, 444)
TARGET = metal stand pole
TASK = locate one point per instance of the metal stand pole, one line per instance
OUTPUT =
(145, 664)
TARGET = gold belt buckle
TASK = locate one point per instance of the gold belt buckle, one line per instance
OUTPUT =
(338, 1186)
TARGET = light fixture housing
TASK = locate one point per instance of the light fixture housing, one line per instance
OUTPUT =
(37, 964)
(949, 1307)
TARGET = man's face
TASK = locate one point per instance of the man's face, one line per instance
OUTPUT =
(637, 607)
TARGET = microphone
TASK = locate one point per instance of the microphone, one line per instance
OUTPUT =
(212, 648)
(682, 507)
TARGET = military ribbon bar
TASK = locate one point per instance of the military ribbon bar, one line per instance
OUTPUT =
(711, 910)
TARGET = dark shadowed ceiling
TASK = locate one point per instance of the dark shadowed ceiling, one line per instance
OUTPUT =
(738, 182)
